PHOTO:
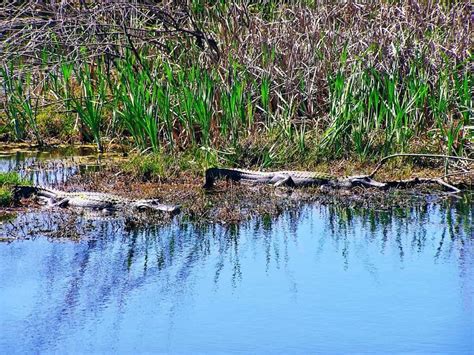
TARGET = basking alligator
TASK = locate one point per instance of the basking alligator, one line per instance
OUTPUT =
(93, 200)
(290, 178)
(307, 178)
(276, 178)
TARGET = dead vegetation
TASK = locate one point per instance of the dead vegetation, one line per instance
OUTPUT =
(314, 79)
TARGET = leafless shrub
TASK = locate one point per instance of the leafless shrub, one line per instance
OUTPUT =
(35, 30)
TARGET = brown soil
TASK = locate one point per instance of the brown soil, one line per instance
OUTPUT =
(233, 202)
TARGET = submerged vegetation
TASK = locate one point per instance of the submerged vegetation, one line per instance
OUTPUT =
(239, 83)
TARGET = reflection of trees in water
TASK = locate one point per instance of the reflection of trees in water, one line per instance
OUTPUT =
(111, 263)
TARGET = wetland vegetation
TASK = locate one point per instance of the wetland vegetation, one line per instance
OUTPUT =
(7, 181)
(272, 84)
(139, 98)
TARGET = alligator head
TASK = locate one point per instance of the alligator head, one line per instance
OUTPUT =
(21, 191)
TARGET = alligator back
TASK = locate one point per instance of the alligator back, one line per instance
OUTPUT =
(294, 178)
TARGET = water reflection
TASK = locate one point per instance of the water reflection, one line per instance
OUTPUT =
(298, 282)
(53, 167)
(96, 282)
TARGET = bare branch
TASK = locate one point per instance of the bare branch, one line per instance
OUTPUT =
(385, 159)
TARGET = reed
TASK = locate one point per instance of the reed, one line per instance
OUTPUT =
(296, 82)
(20, 105)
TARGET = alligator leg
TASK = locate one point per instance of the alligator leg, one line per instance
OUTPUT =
(365, 181)
(45, 200)
(173, 209)
(285, 181)
(61, 203)
(157, 206)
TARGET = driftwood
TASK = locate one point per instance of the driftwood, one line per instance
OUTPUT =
(417, 180)
(385, 159)
(405, 183)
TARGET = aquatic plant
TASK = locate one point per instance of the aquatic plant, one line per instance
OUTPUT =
(20, 105)
(11, 178)
(5, 196)
(382, 111)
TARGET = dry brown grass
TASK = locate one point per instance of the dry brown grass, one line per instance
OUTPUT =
(296, 47)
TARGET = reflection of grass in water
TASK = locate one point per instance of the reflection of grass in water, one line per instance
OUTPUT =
(457, 213)
(460, 215)
(455, 225)
(5, 217)
(173, 255)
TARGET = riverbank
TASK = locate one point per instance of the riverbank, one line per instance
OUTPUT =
(226, 205)
(179, 181)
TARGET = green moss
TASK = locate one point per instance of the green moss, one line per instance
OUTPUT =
(150, 167)
(53, 124)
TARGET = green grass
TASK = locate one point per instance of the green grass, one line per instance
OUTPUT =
(20, 105)
(160, 165)
(11, 179)
(7, 181)
(5, 196)
(374, 111)
(352, 96)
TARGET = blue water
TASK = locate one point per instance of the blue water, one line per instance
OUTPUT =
(52, 167)
(319, 279)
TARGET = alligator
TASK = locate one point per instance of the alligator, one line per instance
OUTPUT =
(291, 178)
(92, 200)
(288, 178)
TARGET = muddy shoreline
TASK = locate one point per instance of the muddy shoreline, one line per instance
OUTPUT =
(227, 203)
(230, 203)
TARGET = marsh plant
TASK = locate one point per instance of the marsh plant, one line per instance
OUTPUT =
(286, 82)
(7, 183)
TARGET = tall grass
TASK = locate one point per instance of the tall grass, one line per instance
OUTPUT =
(293, 82)
(138, 95)
(374, 111)
(89, 105)
(20, 104)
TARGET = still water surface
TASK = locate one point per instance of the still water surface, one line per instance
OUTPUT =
(319, 279)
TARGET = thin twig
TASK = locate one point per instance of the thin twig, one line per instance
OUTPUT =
(383, 160)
